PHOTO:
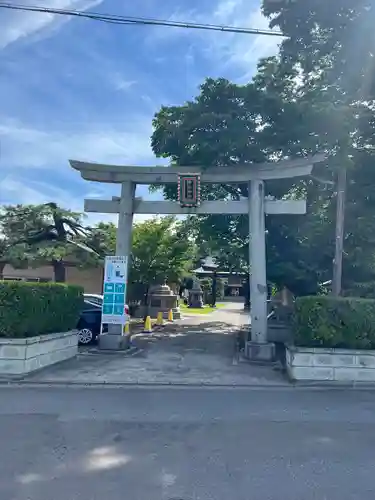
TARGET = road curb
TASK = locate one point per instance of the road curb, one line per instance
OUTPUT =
(170, 385)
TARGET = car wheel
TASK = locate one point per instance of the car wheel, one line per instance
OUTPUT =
(85, 336)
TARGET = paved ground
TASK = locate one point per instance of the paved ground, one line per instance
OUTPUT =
(196, 350)
(190, 444)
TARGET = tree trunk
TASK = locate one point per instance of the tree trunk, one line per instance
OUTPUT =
(146, 301)
(2, 266)
(339, 233)
(59, 271)
(247, 293)
(213, 290)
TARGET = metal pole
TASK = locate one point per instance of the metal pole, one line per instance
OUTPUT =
(339, 233)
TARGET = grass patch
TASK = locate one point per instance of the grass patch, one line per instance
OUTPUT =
(204, 310)
(140, 321)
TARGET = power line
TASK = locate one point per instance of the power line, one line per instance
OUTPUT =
(127, 20)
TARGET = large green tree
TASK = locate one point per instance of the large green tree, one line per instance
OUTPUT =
(330, 41)
(332, 45)
(228, 124)
(300, 102)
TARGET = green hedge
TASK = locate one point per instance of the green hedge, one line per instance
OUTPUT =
(325, 321)
(29, 309)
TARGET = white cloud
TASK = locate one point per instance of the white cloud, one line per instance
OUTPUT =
(238, 49)
(121, 83)
(14, 190)
(24, 146)
(26, 149)
(228, 49)
(244, 50)
(19, 25)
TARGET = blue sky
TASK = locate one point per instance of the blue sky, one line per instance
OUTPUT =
(74, 88)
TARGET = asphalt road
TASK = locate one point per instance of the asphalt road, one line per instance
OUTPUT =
(190, 444)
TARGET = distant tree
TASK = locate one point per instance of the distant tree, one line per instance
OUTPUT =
(101, 238)
(159, 251)
(44, 234)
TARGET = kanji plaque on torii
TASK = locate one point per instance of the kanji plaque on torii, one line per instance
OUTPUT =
(189, 190)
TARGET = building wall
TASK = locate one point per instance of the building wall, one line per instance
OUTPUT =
(43, 272)
(90, 279)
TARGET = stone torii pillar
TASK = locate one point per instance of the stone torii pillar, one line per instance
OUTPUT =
(125, 219)
(259, 348)
(256, 206)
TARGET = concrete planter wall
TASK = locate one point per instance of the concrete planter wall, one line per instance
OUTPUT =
(23, 356)
(320, 364)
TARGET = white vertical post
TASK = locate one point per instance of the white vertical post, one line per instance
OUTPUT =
(114, 340)
(257, 258)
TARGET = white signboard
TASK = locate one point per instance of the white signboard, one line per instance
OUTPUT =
(114, 290)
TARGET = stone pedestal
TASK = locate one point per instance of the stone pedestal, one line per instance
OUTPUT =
(113, 340)
(162, 299)
(260, 351)
(196, 295)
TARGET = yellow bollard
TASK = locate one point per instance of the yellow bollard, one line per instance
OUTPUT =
(159, 319)
(170, 315)
(148, 327)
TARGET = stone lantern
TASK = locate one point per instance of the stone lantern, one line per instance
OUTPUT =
(196, 295)
(162, 299)
(209, 264)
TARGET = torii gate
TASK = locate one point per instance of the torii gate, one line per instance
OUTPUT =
(256, 206)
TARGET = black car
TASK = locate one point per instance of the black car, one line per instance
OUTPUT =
(89, 323)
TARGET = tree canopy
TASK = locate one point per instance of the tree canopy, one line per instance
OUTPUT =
(330, 41)
(159, 252)
(41, 234)
(231, 124)
(161, 249)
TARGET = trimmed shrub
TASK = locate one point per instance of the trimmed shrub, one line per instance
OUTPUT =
(342, 322)
(30, 309)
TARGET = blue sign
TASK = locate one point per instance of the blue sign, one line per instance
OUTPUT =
(115, 277)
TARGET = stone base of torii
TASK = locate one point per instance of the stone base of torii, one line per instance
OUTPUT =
(256, 206)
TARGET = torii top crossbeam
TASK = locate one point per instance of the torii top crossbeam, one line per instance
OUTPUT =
(233, 174)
